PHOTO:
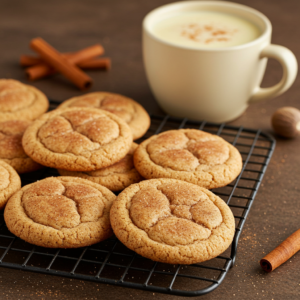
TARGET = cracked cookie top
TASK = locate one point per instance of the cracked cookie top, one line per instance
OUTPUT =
(11, 150)
(20, 101)
(191, 155)
(127, 109)
(172, 221)
(77, 139)
(116, 177)
(61, 212)
(9, 182)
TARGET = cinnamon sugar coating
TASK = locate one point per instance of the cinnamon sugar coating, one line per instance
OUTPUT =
(10, 182)
(116, 177)
(11, 150)
(77, 139)
(172, 221)
(190, 155)
(61, 212)
(20, 101)
(125, 108)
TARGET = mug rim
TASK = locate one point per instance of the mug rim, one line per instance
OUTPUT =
(267, 31)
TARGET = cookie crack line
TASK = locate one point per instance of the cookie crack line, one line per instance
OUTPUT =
(161, 242)
(77, 204)
(62, 227)
(174, 216)
(74, 130)
(122, 109)
(72, 154)
(202, 224)
(195, 240)
(186, 148)
(213, 179)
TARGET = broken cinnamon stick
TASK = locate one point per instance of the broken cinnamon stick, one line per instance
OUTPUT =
(42, 69)
(282, 253)
(55, 59)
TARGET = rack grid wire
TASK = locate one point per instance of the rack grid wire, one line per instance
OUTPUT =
(111, 262)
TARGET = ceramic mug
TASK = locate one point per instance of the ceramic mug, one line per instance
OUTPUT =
(216, 84)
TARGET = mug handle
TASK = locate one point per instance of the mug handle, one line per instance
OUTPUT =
(290, 67)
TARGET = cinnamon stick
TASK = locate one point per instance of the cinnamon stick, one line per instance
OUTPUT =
(29, 60)
(39, 70)
(42, 69)
(85, 54)
(98, 63)
(60, 63)
(282, 253)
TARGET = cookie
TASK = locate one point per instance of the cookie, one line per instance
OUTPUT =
(172, 221)
(77, 139)
(116, 177)
(10, 182)
(20, 101)
(11, 150)
(127, 109)
(190, 155)
(61, 212)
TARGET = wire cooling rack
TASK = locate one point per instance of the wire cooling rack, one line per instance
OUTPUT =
(112, 263)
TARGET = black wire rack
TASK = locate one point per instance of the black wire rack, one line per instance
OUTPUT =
(111, 262)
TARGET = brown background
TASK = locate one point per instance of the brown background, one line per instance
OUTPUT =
(71, 25)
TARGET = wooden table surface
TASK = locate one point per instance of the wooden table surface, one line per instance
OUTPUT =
(71, 25)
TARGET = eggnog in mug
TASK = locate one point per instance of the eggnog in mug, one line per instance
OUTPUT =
(206, 29)
(205, 60)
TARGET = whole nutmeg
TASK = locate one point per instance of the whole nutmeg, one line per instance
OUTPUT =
(286, 122)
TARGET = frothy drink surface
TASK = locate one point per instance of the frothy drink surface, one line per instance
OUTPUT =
(206, 29)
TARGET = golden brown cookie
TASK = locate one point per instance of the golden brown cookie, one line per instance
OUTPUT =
(190, 155)
(20, 101)
(116, 177)
(127, 109)
(172, 221)
(10, 182)
(11, 150)
(61, 212)
(77, 139)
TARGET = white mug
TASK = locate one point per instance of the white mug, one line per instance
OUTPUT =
(216, 84)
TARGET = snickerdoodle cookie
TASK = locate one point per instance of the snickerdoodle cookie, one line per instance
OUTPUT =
(9, 182)
(61, 212)
(20, 101)
(11, 150)
(127, 109)
(191, 155)
(116, 177)
(172, 221)
(77, 139)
